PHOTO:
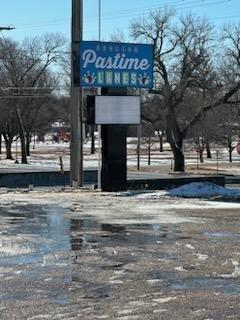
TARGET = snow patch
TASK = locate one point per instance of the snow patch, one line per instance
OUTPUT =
(15, 246)
(153, 281)
(189, 246)
(202, 256)
(236, 272)
(151, 195)
(181, 268)
(164, 300)
(159, 310)
(204, 190)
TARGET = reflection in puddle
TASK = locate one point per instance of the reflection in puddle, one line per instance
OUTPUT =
(113, 267)
(112, 228)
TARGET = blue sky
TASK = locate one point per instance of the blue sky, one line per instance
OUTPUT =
(33, 18)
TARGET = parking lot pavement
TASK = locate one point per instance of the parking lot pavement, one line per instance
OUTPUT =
(90, 255)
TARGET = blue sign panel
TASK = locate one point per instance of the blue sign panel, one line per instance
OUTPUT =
(108, 64)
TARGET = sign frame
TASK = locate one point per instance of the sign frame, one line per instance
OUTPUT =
(116, 65)
(114, 110)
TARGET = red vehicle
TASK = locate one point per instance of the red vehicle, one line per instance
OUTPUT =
(238, 147)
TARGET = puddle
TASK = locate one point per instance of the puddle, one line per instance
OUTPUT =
(56, 298)
(45, 235)
(228, 287)
(161, 275)
(62, 300)
(43, 242)
(222, 234)
(54, 251)
(40, 231)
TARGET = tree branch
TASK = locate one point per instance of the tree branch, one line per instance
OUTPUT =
(222, 100)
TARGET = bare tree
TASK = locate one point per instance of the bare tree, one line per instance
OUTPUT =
(182, 53)
(153, 109)
(148, 139)
(8, 125)
(227, 127)
(25, 67)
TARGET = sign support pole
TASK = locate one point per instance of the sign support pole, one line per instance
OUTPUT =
(76, 145)
(114, 151)
(139, 134)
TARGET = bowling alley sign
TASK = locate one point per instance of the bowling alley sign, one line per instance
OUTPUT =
(109, 64)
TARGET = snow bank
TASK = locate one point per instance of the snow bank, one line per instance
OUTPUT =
(204, 190)
(191, 190)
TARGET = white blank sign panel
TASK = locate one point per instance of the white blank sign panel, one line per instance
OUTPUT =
(117, 110)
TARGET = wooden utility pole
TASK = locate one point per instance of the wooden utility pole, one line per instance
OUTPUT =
(76, 145)
(100, 89)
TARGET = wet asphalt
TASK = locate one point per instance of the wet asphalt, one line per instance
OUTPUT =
(89, 255)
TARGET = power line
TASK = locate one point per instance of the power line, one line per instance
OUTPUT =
(25, 88)
(207, 5)
(178, 4)
(26, 96)
(126, 12)
(26, 59)
(226, 17)
(108, 13)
